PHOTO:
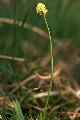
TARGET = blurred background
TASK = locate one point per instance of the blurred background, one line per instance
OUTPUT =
(24, 46)
(20, 40)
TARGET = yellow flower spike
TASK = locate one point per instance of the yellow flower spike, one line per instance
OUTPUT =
(41, 9)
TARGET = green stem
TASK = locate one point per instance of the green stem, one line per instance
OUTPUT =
(51, 62)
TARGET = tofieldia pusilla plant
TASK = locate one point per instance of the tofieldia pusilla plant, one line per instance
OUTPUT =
(42, 10)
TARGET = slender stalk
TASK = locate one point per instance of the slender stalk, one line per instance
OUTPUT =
(52, 66)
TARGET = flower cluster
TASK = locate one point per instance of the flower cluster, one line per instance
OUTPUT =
(41, 9)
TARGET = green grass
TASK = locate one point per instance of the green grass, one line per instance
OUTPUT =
(15, 41)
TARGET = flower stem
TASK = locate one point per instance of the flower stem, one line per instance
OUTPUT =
(52, 66)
